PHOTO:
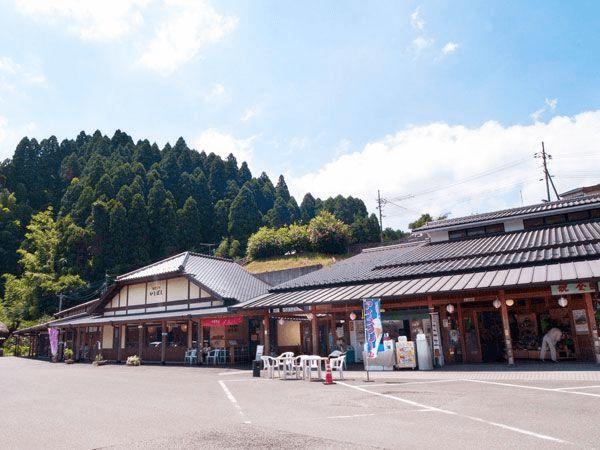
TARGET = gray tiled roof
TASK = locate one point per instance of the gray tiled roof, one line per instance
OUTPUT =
(224, 277)
(522, 248)
(358, 267)
(514, 212)
(492, 279)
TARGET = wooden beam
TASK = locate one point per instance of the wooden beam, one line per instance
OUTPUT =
(120, 343)
(506, 326)
(189, 334)
(461, 329)
(593, 326)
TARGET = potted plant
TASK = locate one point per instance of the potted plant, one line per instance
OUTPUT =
(68, 355)
(133, 360)
(99, 360)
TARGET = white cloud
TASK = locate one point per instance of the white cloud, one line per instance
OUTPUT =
(550, 105)
(212, 140)
(166, 34)
(13, 74)
(420, 158)
(217, 92)
(189, 26)
(450, 47)
(420, 43)
(416, 20)
(10, 135)
(250, 113)
(94, 20)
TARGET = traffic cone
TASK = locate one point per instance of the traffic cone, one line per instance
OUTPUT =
(328, 375)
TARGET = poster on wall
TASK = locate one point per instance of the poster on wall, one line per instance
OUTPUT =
(373, 326)
(581, 323)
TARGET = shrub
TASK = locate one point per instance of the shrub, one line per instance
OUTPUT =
(298, 239)
(133, 360)
(328, 234)
(235, 250)
(223, 249)
(264, 243)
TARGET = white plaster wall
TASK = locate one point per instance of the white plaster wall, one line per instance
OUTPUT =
(137, 294)
(178, 289)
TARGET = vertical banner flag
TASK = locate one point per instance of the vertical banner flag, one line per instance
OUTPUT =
(373, 326)
(53, 338)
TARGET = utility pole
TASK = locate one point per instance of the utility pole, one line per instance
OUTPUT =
(61, 297)
(545, 156)
(379, 207)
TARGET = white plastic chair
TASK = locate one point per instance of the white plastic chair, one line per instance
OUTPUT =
(223, 356)
(312, 362)
(338, 364)
(270, 364)
(213, 355)
(191, 355)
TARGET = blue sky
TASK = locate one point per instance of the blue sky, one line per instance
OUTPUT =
(342, 97)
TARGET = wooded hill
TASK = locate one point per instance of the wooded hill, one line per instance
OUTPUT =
(74, 211)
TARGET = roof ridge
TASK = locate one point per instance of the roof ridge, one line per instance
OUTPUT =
(155, 263)
(435, 223)
(204, 255)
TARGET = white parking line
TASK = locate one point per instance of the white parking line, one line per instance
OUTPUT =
(392, 384)
(236, 372)
(233, 400)
(378, 414)
(578, 387)
(536, 388)
(452, 413)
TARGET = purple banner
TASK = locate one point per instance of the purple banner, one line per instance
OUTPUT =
(53, 337)
(373, 326)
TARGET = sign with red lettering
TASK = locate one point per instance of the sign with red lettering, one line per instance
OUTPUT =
(222, 322)
(572, 288)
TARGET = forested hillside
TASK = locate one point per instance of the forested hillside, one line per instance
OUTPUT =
(72, 212)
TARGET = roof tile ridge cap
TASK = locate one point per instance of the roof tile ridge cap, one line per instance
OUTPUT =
(568, 202)
(204, 255)
(156, 263)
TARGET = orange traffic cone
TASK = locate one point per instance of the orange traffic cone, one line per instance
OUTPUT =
(328, 375)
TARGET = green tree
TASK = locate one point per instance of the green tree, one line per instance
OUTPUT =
(244, 216)
(189, 227)
(162, 221)
(279, 215)
(307, 208)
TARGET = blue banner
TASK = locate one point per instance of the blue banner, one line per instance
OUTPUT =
(373, 326)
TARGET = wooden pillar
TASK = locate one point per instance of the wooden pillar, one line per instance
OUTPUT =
(76, 344)
(189, 334)
(315, 331)
(589, 310)
(267, 334)
(163, 342)
(120, 343)
(461, 329)
(141, 341)
(506, 326)
(332, 332)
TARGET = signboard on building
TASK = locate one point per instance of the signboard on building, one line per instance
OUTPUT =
(156, 292)
(373, 326)
(572, 288)
(222, 322)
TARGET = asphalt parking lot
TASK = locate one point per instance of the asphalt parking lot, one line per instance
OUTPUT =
(81, 406)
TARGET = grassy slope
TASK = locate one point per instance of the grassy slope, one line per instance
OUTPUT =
(288, 262)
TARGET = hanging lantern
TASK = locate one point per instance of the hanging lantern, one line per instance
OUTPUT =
(562, 302)
(496, 303)
(352, 316)
(310, 316)
(281, 321)
(450, 308)
(510, 302)
(184, 328)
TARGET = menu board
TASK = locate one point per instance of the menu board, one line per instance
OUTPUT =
(405, 354)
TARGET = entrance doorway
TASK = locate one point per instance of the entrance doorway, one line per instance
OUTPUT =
(491, 336)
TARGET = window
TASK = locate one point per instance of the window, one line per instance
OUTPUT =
(495, 228)
(177, 335)
(131, 336)
(552, 220)
(456, 234)
(153, 335)
(579, 215)
(533, 223)
(479, 231)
